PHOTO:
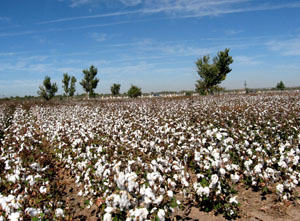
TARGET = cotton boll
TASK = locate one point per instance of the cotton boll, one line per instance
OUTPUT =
(233, 200)
(235, 178)
(222, 171)
(43, 189)
(170, 193)
(107, 217)
(59, 212)
(14, 216)
(33, 211)
(213, 181)
(279, 188)
(161, 214)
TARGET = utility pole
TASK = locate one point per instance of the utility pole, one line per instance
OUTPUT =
(245, 84)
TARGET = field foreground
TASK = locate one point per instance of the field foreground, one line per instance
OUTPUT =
(209, 158)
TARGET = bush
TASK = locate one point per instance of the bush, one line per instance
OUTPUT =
(134, 91)
(280, 86)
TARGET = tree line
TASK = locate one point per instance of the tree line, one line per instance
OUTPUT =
(89, 84)
(211, 74)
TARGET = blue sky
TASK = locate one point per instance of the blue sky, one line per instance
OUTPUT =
(150, 43)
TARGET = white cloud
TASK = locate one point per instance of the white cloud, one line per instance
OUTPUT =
(246, 61)
(77, 3)
(289, 47)
(183, 8)
(131, 2)
(98, 36)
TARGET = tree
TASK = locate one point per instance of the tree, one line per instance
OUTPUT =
(90, 82)
(48, 90)
(115, 89)
(134, 91)
(280, 86)
(65, 81)
(212, 74)
(72, 86)
(69, 88)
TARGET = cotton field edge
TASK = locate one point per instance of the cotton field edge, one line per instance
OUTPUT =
(145, 159)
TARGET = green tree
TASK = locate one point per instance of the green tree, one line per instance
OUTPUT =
(66, 81)
(72, 86)
(68, 87)
(90, 82)
(115, 89)
(280, 86)
(48, 90)
(134, 91)
(212, 74)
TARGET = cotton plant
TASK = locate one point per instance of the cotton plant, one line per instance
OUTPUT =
(140, 156)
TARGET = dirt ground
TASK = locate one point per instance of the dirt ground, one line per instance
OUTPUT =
(253, 207)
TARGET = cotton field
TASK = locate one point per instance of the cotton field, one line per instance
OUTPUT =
(145, 159)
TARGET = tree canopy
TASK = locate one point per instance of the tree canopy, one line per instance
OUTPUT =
(115, 89)
(90, 82)
(48, 90)
(280, 86)
(134, 91)
(212, 74)
(69, 87)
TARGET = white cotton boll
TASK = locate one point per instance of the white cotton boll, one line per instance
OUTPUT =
(107, 217)
(219, 136)
(170, 193)
(175, 177)
(109, 209)
(161, 214)
(80, 193)
(206, 191)
(199, 175)
(138, 214)
(43, 189)
(282, 164)
(124, 202)
(197, 156)
(159, 200)
(222, 171)
(13, 178)
(14, 216)
(257, 168)
(247, 164)
(280, 188)
(296, 160)
(59, 212)
(233, 200)
(225, 159)
(32, 211)
(213, 181)
(184, 182)
(235, 178)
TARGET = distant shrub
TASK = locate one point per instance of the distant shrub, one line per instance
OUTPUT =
(134, 91)
(115, 89)
(280, 86)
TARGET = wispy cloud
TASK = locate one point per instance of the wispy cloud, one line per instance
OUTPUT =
(131, 2)
(246, 60)
(185, 8)
(89, 17)
(289, 47)
(98, 36)
(11, 34)
(5, 19)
